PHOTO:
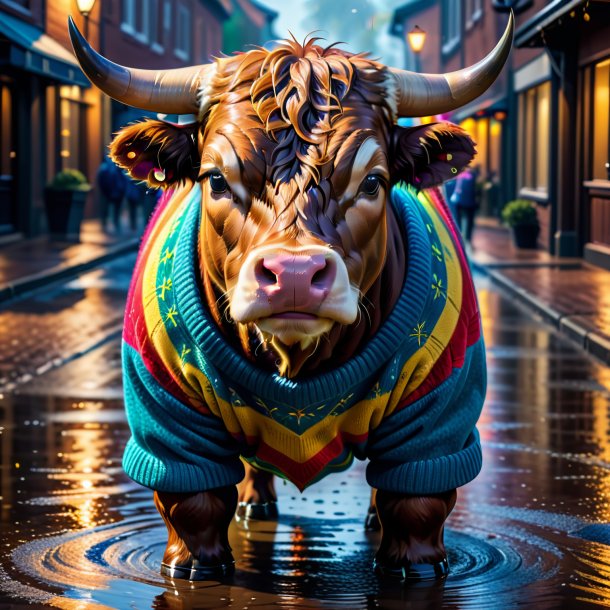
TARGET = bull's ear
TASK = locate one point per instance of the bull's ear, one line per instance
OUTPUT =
(427, 155)
(160, 153)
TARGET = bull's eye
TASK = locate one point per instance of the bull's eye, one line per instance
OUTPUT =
(218, 184)
(370, 185)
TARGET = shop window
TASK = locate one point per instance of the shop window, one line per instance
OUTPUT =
(7, 159)
(534, 138)
(451, 15)
(183, 33)
(487, 135)
(601, 121)
(71, 127)
(495, 148)
(7, 154)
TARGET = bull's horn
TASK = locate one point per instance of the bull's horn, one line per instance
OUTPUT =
(166, 91)
(427, 94)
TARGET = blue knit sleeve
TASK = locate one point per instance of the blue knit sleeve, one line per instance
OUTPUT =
(432, 445)
(173, 447)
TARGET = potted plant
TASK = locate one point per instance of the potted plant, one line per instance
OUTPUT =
(65, 198)
(520, 215)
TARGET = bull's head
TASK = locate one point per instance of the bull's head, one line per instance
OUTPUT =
(296, 150)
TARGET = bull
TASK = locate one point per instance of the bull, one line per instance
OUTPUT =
(301, 296)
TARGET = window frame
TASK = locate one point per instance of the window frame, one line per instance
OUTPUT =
(591, 131)
(155, 28)
(451, 26)
(130, 11)
(474, 12)
(75, 101)
(183, 52)
(529, 145)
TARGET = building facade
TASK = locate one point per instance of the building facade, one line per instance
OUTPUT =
(542, 129)
(51, 118)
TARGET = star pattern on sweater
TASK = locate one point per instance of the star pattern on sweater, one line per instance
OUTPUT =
(299, 414)
(165, 286)
(171, 314)
(169, 254)
(437, 253)
(437, 287)
(183, 354)
(419, 333)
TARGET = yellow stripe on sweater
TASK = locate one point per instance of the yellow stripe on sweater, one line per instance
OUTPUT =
(155, 326)
(359, 419)
(419, 365)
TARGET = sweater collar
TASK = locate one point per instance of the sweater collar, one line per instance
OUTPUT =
(380, 349)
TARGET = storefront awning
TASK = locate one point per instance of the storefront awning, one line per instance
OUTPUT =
(29, 48)
(529, 34)
(489, 106)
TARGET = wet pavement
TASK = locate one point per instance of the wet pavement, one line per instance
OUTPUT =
(533, 530)
(28, 264)
(568, 293)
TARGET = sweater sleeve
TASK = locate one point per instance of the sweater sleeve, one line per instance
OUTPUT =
(432, 445)
(173, 447)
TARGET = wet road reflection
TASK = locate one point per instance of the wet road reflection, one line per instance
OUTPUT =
(532, 531)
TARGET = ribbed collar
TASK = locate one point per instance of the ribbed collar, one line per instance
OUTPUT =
(380, 349)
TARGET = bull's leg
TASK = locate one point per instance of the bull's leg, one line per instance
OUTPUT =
(412, 545)
(257, 497)
(197, 524)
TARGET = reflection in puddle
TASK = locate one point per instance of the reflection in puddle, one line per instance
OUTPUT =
(298, 558)
(528, 532)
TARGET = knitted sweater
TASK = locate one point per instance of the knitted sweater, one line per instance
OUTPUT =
(408, 402)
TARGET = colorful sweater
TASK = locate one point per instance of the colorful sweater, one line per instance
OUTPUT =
(408, 402)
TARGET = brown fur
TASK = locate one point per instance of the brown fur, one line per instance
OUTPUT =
(284, 127)
(257, 486)
(197, 526)
(295, 117)
(412, 527)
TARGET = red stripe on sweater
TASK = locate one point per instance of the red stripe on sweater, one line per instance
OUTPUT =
(468, 328)
(135, 332)
(302, 473)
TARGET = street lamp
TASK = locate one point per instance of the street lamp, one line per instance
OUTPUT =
(84, 8)
(416, 39)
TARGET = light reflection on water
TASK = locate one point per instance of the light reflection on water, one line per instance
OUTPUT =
(80, 535)
(304, 561)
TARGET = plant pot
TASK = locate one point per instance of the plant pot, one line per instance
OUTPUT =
(526, 236)
(65, 210)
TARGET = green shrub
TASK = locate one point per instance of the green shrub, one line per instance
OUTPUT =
(519, 212)
(70, 180)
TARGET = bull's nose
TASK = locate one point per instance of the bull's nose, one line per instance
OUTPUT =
(295, 282)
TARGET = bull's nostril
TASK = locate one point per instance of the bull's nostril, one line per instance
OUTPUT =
(320, 276)
(264, 275)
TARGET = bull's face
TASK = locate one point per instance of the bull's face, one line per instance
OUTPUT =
(296, 151)
(294, 227)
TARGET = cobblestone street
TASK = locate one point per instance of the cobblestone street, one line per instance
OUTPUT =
(76, 317)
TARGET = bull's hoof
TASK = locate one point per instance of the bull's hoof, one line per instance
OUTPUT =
(371, 521)
(197, 571)
(412, 572)
(253, 511)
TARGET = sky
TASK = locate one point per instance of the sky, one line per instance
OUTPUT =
(292, 14)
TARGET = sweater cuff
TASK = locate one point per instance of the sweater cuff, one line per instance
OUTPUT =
(179, 477)
(432, 476)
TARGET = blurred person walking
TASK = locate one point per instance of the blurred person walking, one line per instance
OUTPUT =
(465, 202)
(112, 183)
